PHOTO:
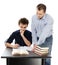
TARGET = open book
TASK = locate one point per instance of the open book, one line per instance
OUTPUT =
(22, 50)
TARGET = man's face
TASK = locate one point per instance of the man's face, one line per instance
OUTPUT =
(40, 13)
(23, 26)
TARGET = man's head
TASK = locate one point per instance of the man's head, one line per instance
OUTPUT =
(41, 10)
(23, 23)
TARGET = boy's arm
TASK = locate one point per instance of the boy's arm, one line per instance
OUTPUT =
(11, 46)
(27, 42)
(9, 41)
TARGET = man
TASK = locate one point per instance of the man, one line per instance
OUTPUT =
(42, 30)
(22, 37)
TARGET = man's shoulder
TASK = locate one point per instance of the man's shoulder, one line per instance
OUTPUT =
(49, 16)
(34, 16)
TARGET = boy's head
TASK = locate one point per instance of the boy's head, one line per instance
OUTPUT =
(23, 23)
(41, 10)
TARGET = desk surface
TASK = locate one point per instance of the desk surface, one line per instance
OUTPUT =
(8, 54)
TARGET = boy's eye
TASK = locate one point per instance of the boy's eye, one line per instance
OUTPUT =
(24, 27)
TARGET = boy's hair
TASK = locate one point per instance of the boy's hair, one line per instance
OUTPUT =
(23, 21)
(41, 7)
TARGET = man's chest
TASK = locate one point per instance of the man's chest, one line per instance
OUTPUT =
(40, 23)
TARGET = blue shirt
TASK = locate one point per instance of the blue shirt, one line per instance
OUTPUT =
(41, 28)
(18, 39)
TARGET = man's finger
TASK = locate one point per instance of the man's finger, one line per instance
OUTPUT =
(38, 53)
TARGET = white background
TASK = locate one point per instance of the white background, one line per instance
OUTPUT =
(12, 10)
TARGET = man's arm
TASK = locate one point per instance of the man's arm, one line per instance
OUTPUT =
(46, 31)
(34, 35)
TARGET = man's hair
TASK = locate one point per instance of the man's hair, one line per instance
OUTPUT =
(23, 21)
(41, 7)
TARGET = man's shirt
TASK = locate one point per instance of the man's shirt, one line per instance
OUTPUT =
(41, 28)
(18, 39)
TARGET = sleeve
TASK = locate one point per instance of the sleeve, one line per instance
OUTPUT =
(33, 29)
(30, 37)
(46, 31)
(11, 38)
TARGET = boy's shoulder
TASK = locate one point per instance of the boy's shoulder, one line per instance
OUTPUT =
(17, 31)
(27, 31)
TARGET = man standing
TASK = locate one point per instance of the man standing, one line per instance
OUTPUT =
(22, 37)
(42, 30)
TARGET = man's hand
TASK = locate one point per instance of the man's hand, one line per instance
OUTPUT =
(35, 47)
(21, 32)
(15, 46)
(37, 50)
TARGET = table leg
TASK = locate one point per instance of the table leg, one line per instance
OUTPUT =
(7, 61)
(43, 61)
(12, 61)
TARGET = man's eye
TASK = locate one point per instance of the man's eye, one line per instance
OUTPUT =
(24, 27)
(40, 14)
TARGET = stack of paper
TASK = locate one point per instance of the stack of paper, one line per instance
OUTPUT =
(41, 50)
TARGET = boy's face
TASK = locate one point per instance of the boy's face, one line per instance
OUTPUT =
(40, 13)
(23, 26)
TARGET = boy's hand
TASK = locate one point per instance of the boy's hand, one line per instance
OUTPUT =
(21, 32)
(16, 46)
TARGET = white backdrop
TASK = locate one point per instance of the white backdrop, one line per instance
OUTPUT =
(12, 10)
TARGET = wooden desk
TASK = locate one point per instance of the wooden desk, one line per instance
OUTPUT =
(22, 59)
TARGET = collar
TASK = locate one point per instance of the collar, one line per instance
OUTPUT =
(43, 17)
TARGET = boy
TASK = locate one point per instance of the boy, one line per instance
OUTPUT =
(22, 37)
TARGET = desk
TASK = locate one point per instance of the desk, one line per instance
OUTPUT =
(21, 59)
